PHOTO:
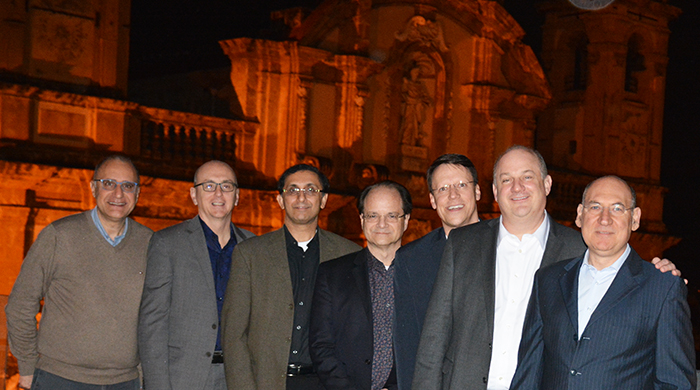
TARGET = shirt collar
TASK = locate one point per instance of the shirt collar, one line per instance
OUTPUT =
(98, 224)
(614, 266)
(540, 234)
(212, 238)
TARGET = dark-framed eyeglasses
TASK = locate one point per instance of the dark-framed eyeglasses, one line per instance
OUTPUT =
(210, 186)
(296, 191)
(111, 185)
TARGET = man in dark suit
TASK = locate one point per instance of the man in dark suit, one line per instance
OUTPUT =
(353, 306)
(472, 328)
(267, 306)
(186, 277)
(454, 190)
(630, 324)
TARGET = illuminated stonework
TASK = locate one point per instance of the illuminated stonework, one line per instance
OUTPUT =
(340, 94)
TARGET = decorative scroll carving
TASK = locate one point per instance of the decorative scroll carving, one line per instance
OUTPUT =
(425, 32)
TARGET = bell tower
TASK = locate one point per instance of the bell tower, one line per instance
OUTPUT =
(607, 70)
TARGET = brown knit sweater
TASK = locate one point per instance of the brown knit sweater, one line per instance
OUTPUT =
(91, 293)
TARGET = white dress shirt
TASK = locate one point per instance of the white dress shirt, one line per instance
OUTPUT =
(592, 286)
(516, 264)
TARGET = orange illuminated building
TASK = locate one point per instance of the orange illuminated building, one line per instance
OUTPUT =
(365, 90)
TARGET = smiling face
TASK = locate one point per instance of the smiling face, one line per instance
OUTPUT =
(217, 205)
(456, 207)
(521, 191)
(302, 208)
(606, 234)
(114, 206)
(384, 233)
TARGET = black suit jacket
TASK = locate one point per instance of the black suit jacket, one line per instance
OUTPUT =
(341, 332)
(455, 346)
(417, 265)
(639, 337)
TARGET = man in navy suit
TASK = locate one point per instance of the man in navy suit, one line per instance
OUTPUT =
(454, 191)
(350, 337)
(606, 319)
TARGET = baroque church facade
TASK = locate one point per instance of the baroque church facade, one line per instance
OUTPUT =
(365, 90)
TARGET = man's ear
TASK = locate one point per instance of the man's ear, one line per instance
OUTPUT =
(280, 201)
(636, 218)
(193, 195)
(579, 211)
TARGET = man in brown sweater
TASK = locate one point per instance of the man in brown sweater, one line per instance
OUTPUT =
(89, 270)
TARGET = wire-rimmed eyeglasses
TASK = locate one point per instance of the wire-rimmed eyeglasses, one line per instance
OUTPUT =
(111, 185)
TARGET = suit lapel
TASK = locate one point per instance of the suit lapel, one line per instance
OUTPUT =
(624, 283)
(198, 244)
(491, 242)
(569, 290)
(361, 278)
(552, 251)
(277, 253)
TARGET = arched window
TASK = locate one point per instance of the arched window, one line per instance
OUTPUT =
(577, 80)
(634, 64)
(581, 65)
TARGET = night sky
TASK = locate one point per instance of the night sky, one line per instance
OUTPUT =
(175, 36)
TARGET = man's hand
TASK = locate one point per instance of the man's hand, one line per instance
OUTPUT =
(25, 381)
(666, 265)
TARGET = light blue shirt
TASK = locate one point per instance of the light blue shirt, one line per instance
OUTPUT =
(592, 286)
(117, 239)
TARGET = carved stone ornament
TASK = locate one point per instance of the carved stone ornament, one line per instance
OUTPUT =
(591, 5)
(426, 32)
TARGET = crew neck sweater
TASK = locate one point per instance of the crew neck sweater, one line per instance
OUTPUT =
(91, 292)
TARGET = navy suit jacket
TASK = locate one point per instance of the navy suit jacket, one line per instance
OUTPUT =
(639, 337)
(341, 332)
(417, 265)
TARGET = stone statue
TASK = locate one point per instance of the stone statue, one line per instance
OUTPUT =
(416, 100)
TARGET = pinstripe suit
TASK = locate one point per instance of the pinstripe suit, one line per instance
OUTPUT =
(639, 336)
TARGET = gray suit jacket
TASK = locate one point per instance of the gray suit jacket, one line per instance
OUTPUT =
(455, 346)
(178, 317)
(258, 313)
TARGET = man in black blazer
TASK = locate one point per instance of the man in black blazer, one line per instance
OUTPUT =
(454, 190)
(350, 338)
(630, 324)
(472, 328)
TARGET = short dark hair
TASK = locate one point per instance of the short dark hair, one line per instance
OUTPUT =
(115, 157)
(538, 156)
(629, 187)
(325, 184)
(452, 159)
(406, 202)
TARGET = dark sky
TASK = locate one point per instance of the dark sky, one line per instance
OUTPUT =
(174, 36)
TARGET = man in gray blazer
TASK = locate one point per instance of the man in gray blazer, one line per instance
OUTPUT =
(186, 278)
(475, 316)
(268, 301)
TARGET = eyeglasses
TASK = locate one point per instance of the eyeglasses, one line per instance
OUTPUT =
(460, 186)
(390, 218)
(111, 185)
(296, 191)
(210, 186)
(616, 210)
